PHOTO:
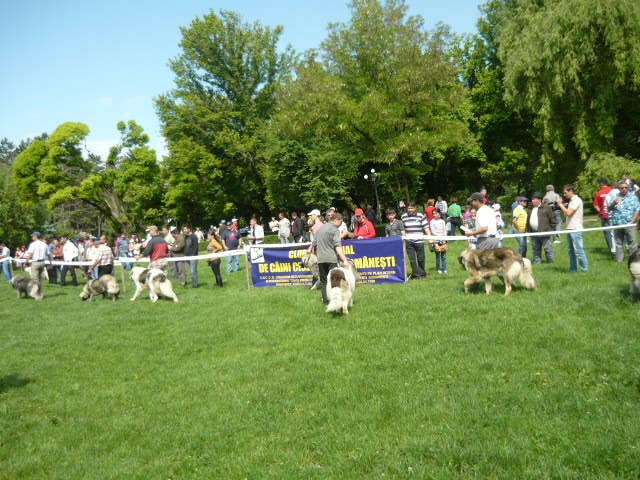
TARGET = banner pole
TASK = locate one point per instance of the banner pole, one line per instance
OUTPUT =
(404, 259)
(124, 285)
(246, 267)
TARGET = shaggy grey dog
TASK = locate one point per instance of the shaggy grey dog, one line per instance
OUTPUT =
(106, 285)
(27, 286)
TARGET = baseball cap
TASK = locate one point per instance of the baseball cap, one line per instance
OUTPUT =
(359, 212)
(315, 211)
(223, 222)
(523, 199)
(550, 187)
(229, 223)
(234, 219)
(476, 196)
(36, 234)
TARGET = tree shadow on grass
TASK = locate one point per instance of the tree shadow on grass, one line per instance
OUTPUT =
(12, 381)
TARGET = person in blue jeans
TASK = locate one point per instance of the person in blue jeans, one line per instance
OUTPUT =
(574, 213)
(6, 265)
(232, 240)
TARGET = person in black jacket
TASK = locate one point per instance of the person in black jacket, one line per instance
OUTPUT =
(191, 249)
(541, 218)
(297, 227)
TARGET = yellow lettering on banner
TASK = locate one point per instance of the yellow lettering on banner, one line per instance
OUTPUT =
(278, 267)
(297, 253)
(263, 268)
(375, 262)
(348, 250)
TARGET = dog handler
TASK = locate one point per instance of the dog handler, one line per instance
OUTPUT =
(37, 253)
(328, 247)
(486, 227)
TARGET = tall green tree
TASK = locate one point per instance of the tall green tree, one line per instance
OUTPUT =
(126, 188)
(384, 93)
(575, 66)
(226, 79)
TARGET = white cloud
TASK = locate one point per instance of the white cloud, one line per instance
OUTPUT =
(126, 116)
(100, 147)
(106, 101)
(136, 99)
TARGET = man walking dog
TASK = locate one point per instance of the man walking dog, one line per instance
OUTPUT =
(328, 247)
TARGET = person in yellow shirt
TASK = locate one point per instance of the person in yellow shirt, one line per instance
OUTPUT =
(215, 247)
(519, 221)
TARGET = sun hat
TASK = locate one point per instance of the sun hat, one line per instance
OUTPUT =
(315, 212)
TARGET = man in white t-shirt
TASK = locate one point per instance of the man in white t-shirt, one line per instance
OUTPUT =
(6, 264)
(284, 228)
(69, 254)
(486, 228)
(574, 214)
(37, 253)
(256, 232)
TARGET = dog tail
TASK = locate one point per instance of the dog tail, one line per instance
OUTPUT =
(335, 297)
(526, 275)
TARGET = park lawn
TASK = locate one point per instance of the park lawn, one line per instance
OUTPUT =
(419, 380)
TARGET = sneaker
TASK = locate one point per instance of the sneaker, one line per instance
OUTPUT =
(445, 272)
(439, 272)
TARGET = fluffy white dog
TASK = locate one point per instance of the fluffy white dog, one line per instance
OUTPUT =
(341, 287)
(157, 281)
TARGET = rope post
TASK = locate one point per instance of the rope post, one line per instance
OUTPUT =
(124, 284)
(246, 267)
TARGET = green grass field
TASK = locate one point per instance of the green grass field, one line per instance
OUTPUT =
(420, 380)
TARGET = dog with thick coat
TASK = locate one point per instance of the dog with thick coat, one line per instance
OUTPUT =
(106, 285)
(484, 264)
(157, 281)
(28, 287)
(310, 261)
(341, 287)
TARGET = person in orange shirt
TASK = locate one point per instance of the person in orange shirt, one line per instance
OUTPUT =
(364, 228)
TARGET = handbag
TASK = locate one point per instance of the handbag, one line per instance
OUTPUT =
(441, 247)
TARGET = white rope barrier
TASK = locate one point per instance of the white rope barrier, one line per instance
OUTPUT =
(231, 253)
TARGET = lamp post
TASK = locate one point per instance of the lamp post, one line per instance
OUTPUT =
(374, 179)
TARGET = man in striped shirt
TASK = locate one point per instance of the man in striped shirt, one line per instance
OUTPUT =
(104, 258)
(415, 223)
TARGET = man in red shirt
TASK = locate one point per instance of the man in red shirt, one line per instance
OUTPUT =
(157, 249)
(364, 228)
(600, 206)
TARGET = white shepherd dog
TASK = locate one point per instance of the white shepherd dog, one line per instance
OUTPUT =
(157, 281)
(341, 287)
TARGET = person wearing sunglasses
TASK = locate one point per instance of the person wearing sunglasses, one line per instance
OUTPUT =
(624, 209)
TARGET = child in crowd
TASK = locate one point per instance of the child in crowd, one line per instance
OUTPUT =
(439, 229)
(499, 222)
(469, 223)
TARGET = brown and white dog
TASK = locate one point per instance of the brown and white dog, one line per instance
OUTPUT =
(484, 264)
(341, 287)
(157, 281)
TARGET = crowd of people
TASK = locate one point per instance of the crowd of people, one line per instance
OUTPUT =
(480, 220)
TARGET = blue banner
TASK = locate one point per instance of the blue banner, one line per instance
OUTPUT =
(378, 260)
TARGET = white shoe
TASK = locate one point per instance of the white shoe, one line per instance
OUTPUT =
(557, 241)
(439, 272)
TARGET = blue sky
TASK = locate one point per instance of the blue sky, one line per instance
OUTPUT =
(104, 61)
